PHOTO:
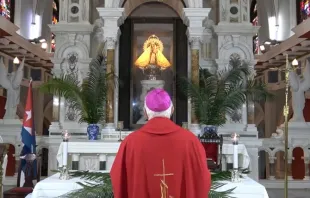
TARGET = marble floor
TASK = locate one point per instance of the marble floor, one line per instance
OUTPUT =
(296, 193)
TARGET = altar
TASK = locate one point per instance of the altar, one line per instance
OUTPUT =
(54, 187)
(99, 155)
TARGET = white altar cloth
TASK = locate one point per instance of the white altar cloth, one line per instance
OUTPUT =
(54, 187)
(105, 147)
(247, 188)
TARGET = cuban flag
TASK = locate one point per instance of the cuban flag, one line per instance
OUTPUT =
(28, 132)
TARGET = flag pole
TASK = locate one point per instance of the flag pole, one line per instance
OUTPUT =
(285, 114)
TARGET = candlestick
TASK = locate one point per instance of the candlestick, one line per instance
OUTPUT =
(120, 127)
(65, 148)
(288, 68)
(64, 175)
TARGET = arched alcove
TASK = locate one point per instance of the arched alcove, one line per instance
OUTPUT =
(263, 165)
(298, 164)
(279, 164)
(44, 162)
(146, 19)
(10, 169)
(132, 5)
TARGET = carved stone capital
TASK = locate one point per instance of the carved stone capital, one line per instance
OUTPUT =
(195, 42)
(110, 42)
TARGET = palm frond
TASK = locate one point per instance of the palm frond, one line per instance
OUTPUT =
(223, 92)
(90, 191)
(94, 89)
(66, 86)
(87, 97)
(99, 185)
(257, 91)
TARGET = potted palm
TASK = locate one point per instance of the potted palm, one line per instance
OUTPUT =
(88, 98)
(223, 93)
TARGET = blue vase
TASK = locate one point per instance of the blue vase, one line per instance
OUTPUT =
(93, 131)
(210, 129)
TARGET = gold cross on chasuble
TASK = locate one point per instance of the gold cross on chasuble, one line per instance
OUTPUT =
(163, 184)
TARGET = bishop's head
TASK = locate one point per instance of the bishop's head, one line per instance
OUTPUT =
(158, 104)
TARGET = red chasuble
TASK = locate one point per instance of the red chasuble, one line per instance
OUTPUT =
(161, 160)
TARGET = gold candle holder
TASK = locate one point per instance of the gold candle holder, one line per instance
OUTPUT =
(288, 68)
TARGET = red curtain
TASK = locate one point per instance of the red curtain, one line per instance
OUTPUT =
(298, 164)
(211, 150)
(10, 169)
(307, 110)
(2, 106)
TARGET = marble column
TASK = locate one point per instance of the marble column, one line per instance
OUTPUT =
(272, 168)
(110, 44)
(195, 46)
(193, 18)
(102, 162)
(75, 161)
(113, 18)
(306, 160)
(289, 169)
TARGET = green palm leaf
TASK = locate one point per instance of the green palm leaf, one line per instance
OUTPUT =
(101, 187)
(88, 98)
(223, 92)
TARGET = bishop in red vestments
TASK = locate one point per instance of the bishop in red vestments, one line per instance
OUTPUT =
(160, 160)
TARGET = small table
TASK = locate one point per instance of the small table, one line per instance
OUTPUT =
(52, 187)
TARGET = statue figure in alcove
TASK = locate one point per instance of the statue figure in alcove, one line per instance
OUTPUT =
(298, 87)
(11, 82)
(152, 57)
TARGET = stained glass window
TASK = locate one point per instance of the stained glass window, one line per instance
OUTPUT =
(55, 12)
(5, 8)
(54, 21)
(304, 7)
(254, 20)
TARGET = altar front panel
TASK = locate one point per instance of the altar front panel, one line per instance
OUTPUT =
(88, 154)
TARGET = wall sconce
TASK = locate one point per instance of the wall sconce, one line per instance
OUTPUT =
(262, 48)
(295, 62)
(56, 101)
(44, 46)
(16, 61)
(267, 43)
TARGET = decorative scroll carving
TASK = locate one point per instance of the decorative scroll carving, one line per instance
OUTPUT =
(195, 42)
(110, 42)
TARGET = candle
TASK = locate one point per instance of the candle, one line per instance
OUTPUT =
(65, 148)
(244, 114)
(235, 145)
(31, 148)
(64, 153)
